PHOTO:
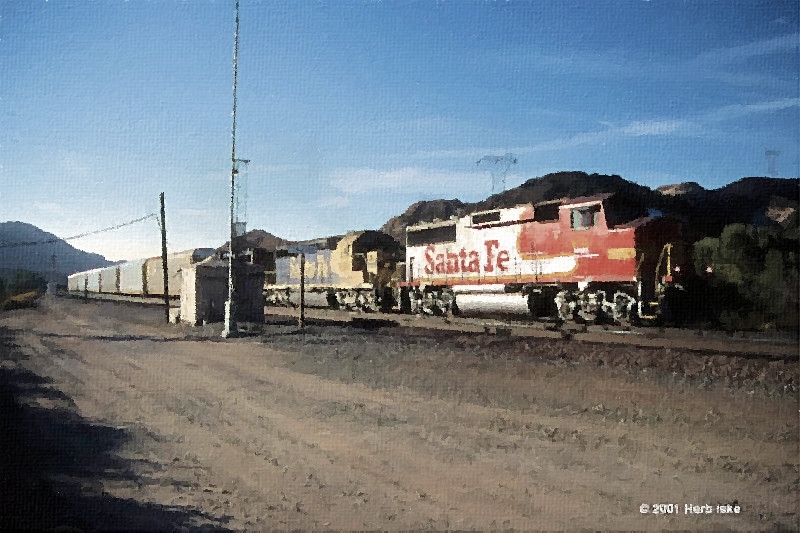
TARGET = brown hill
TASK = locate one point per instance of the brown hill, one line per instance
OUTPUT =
(691, 191)
(753, 200)
(632, 198)
(424, 211)
(567, 185)
(256, 238)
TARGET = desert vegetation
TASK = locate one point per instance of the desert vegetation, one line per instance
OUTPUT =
(754, 278)
(19, 288)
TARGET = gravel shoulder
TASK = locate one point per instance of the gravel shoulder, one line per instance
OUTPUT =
(125, 421)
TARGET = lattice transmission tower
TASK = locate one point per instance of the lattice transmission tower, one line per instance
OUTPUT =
(772, 156)
(498, 169)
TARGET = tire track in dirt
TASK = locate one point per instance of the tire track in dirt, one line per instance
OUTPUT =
(337, 454)
(232, 429)
(358, 397)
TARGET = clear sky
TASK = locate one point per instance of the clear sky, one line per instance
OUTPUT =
(352, 110)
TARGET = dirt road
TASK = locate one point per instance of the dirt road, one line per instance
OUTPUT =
(113, 419)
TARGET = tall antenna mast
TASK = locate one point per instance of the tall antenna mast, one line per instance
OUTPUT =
(230, 325)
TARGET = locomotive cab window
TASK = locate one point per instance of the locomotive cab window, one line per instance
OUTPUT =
(546, 213)
(584, 217)
(431, 235)
(483, 218)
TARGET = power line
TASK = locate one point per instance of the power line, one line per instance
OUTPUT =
(50, 241)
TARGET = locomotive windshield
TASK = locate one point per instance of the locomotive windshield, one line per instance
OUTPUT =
(584, 217)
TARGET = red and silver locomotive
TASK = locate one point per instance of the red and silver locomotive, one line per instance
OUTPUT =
(586, 259)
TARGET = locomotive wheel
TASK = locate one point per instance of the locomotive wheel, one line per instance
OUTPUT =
(594, 307)
(333, 301)
(437, 302)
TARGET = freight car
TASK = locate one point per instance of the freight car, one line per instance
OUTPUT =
(582, 259)
(143, 277)
(352, 272)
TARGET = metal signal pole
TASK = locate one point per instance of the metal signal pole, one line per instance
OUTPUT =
(164, 257)
(230, 325)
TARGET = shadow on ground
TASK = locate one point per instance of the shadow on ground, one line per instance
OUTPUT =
(54, 461)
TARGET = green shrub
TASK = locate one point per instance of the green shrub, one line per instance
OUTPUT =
(755, 276)
(22, 301)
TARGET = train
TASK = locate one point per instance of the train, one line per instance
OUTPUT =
(586, 259)
(142, 277)
(355, 272)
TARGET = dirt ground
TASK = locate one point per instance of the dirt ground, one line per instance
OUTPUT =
(113, 419)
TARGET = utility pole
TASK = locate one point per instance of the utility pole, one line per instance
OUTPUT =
(164, 257)
(302, 321)
(51, 287)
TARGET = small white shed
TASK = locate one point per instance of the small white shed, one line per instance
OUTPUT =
(204, 291)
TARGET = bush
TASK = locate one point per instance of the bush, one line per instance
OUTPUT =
(21, 301)
(754, 284)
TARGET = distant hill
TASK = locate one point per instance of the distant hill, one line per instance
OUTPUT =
(256, 238)
(753, 200)
(691, 191)
(39, 257)
(425, 211)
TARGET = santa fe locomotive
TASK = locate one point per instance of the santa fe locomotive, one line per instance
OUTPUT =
(584, 259)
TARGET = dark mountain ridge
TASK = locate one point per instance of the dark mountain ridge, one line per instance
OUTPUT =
(26, 247)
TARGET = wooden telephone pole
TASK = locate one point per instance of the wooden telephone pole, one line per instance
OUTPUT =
(164, 257)
(301, 323)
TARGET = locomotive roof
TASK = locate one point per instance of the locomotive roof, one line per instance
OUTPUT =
(362, 241)
(435, 224)
(620, 210)
(565, 202)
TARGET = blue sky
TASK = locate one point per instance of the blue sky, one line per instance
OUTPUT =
(352, 110)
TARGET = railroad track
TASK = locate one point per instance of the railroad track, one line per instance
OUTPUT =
(673, 338)
(748, 346)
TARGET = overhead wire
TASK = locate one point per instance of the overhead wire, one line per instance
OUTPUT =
(50, 241)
